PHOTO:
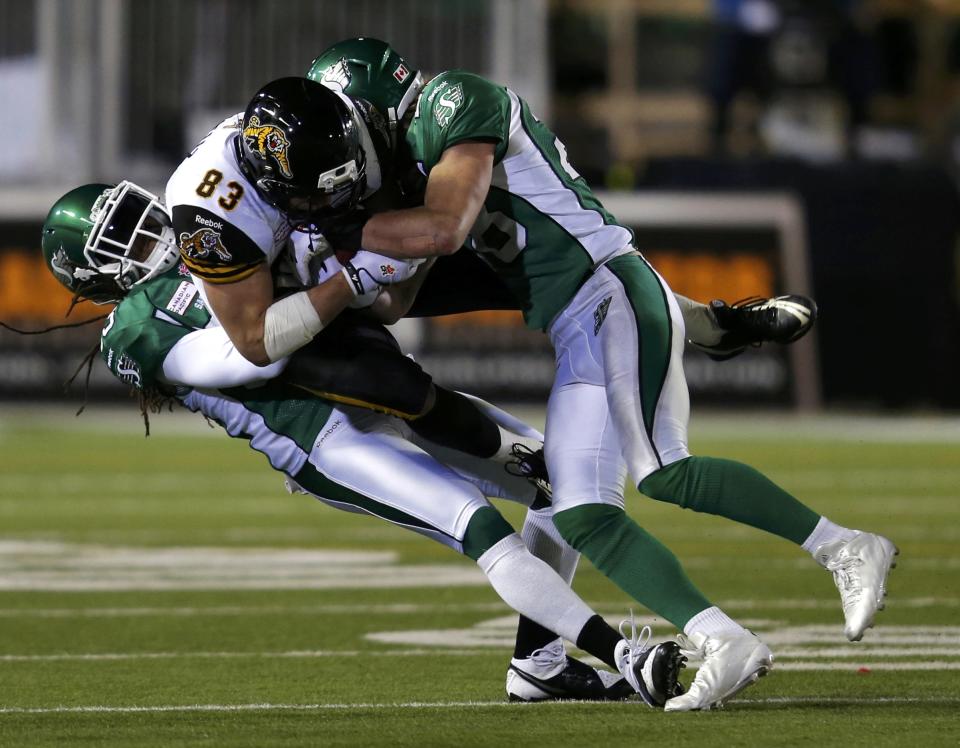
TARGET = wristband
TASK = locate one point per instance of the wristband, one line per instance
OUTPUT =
(289, 324)
(353, 278)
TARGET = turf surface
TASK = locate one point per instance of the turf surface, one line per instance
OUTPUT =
(167, 591)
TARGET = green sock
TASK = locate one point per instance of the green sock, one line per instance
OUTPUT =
(732, 490)
(486, 528)
(631, 557)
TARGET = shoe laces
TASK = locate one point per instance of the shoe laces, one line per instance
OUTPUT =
(845, 569)
(637, 641)
(530, 464)
(526, 462)
(549, 656)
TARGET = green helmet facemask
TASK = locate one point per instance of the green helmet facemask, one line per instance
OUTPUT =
(369, 69)
(100, 241)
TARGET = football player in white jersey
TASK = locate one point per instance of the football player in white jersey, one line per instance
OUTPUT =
(115, 245)
(498, 178)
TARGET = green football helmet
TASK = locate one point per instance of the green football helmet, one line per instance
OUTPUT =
(370, 69)
(100, 241)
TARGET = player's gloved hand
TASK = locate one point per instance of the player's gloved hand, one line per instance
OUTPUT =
(345, 231)
(366, 271)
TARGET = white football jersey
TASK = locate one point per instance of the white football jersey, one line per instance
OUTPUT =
(224, 228)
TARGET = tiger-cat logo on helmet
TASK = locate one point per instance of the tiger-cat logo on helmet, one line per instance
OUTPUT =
(268, 141)
(201, 243)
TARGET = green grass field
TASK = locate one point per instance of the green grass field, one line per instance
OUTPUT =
(168, 591)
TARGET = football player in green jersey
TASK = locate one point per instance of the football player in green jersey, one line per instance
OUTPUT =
(498, 178)
(114, 245)
(372, 72)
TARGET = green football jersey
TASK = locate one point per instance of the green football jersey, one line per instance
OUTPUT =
(540, 227)
(145, 326)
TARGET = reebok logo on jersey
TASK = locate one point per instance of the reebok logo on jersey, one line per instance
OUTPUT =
(209, 222)
(201, 243)
(600, 314)
(448, 104)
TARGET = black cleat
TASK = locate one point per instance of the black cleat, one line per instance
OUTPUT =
(568, 678)
(750, 322)
(652, 671)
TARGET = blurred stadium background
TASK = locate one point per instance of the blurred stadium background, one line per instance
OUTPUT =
(756, 146)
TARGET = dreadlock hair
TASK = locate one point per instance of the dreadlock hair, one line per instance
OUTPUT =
(151, 399)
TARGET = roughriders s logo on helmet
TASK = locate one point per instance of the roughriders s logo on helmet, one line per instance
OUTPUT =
(201, 243)
(337, 76)
(401, 73)
(269, 142)
(61, 265)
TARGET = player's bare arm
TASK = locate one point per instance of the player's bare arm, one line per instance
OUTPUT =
(455, 192)
(395, 301)
(245, 309)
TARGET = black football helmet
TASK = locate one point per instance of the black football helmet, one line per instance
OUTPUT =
(307, 150)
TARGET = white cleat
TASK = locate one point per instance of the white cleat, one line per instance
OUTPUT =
(731, 662)
(860, 567)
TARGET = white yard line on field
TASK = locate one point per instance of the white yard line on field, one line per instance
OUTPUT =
(251, 610)
(609, 608)
(780, 701)
(789, 665)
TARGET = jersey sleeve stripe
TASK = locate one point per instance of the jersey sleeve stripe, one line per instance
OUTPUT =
(221, 274)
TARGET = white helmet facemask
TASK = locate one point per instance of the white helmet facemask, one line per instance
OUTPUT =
(132, 238)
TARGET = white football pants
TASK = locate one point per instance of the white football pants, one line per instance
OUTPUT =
(619, 402)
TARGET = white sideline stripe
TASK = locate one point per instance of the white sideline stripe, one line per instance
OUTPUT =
(266, 707)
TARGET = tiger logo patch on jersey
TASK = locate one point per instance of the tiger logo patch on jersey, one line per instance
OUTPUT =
(201, 243)
(269, 142)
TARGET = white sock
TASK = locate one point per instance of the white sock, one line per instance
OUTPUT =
(508, 439)
(699, 321)
(533, 589)
(826, 532)
(543, 540)
(499, 416)
(711, 622)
